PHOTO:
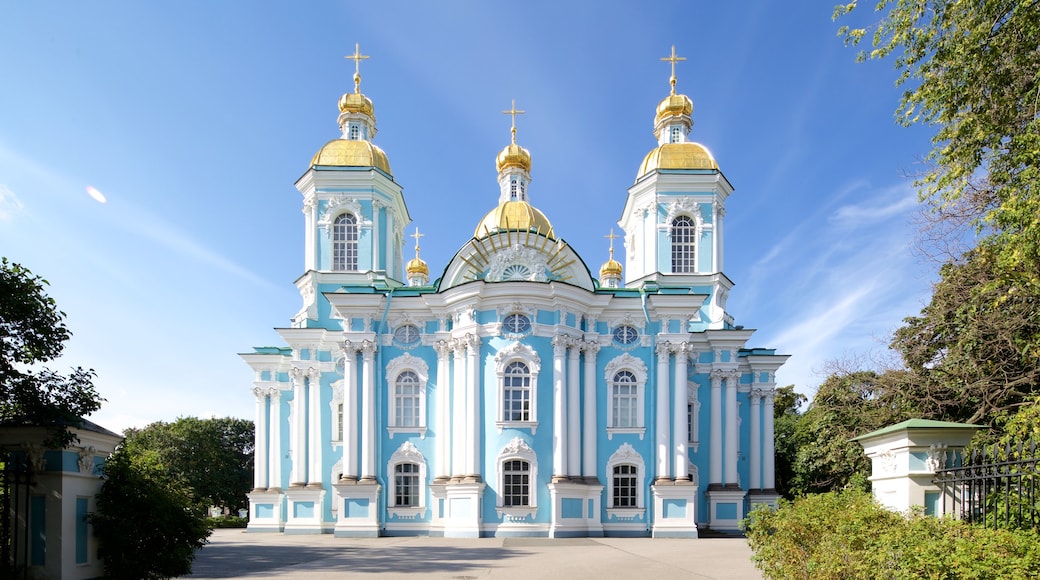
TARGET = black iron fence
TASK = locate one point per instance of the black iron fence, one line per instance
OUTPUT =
(992, 486)
(15, 484)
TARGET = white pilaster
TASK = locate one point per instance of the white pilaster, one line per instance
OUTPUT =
(679, 423)
(768, 452)
(310, 228)
(715, 427)
(473, 409)
(349, 427)
(274, 480)
(298, 475)
(732, 440)
(369, 434)
(661, 433)
(755, 467)
(559, 433)
(442, 460)
(588, 470)
(260, 451)
(314, 455)
(458, 433)
(573, 412)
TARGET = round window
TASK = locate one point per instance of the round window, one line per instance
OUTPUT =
(407, 334)
(625, 335)
(516, 324)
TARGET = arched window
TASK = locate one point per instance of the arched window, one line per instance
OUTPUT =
(517, 478)
(624, 400)
(626, 476)
(625, 377)
(344, 243)
(517, 367)
(516, 393)
(406, 400)
(406, 476)
(684, 232)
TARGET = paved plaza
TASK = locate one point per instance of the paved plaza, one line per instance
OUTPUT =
(237, 554)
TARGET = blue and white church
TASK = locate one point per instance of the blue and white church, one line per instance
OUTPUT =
(515, 394)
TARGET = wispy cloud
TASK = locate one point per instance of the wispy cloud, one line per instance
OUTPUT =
(9, 204)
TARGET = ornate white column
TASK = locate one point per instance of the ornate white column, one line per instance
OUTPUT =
(755, 467)
(573, 412)
(458, 432)
(349, 428)
(559, 344)
(589, 426)
(298, 438)
(442, 461)
(661, 391)
(260, 451)
(768, 452)
(715, 427)
(274, 422)
(310, 227)
(732, 435)
(314, 475)
(679, 419)
(720, 212)
(473, 408)
(368, 412)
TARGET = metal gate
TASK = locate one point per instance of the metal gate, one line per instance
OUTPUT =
(16, 480)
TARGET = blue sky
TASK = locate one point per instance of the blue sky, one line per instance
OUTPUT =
(195, 118)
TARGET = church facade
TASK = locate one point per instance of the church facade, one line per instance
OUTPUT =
(516, 394)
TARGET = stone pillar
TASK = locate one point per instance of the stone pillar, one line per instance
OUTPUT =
(274, 422)
(298, 438)
(679, 420)
(661, 391)
(369, 435)
(715, 428)
(768, 452)
(573, 412)
(458, 413)
(473, 409)
(349, 428)
(260, 451)
(314, 440)
(755, 467)
(559, 432)
(732, 435)
(442, 461)
(589, 426)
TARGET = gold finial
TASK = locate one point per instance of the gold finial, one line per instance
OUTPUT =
(611, 238)
(357, 57)
(513, 112)
(673, 59)
(417, 235)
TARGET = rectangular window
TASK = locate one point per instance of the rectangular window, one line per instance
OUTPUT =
(625, 489)
(338, 435)
(517, 398)
(355, 131)
(625, 405)
(516, 483)
(406, 485)
(81, 529)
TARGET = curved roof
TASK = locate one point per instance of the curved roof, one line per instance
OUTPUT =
(515, 216)
(688, 155)
(346, 153)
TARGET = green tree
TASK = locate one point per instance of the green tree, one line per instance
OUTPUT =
(32, 332)
(148, 524)
(214, 457)
(846, 405)
(785, 426)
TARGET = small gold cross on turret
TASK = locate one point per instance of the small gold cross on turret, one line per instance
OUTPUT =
(673, 59)
(513, 112)
(357, 57)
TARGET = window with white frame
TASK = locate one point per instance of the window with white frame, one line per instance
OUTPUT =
(684, 233)
(354, 132)
(517, 367)
(406, 378)
(693, 411)
(513, 189)
(345, 243)
(517, 477)
(625, 376)
(406, 472)
(626, 477)
(676, 134)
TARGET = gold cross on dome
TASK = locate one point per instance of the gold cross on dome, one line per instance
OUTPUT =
(417, 235)
(611, 237)
(673, 59)
(513, 112)
(357, 57)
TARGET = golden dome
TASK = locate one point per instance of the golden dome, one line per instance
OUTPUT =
(344, 153)
(417, 266)
(673, 106)
(688, 155)
(611, 268)
(514, 156)
(515, 215)
(356, 103)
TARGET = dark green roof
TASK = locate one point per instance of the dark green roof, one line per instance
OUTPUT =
(917, 424)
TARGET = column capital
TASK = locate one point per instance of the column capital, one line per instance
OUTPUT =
(367, 348)
(664, 348)
(443, 348)
(472, 341)
(756, 395)
(560, 343)
(590, 347)
(350, 348)
(314, 374)
(296, 374)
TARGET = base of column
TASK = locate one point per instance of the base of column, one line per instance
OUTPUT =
(726, 509)
(461, 509)
(303, 511)
(575, 509)
(357, 509)
(675, 510)
(757, 497)
(265, 511)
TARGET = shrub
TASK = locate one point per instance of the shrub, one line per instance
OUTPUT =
(226, 522)
(847, 535)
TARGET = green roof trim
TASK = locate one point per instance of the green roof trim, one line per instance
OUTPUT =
(917, 424)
